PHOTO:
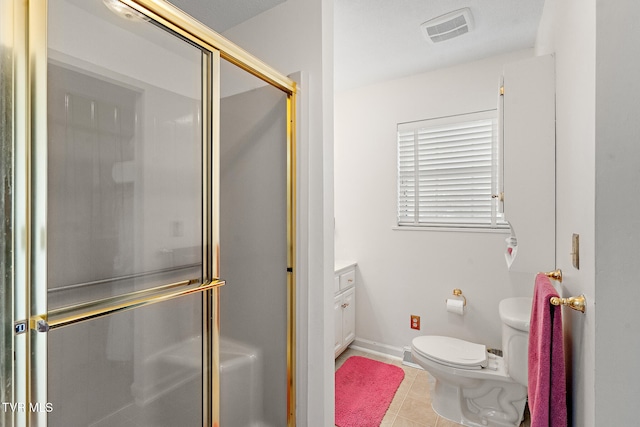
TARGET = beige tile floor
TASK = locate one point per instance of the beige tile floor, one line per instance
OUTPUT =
(411, 405)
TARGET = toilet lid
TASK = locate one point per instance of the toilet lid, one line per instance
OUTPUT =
(451, 351)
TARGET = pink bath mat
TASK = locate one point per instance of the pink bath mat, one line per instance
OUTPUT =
(364, 391)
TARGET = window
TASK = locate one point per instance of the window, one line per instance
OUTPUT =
(448, 169)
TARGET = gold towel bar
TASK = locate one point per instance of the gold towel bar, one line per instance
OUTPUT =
(577, 303)
(555, 275)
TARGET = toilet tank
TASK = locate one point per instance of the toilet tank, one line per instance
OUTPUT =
(515, 314)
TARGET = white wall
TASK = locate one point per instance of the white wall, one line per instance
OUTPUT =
(297, 36)
(412, 272)
(617, 221)
(568, 28)
(598, 155)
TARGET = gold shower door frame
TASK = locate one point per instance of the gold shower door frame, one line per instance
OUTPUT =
(26, 21)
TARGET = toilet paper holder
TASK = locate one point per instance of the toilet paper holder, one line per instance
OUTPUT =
(457, 292)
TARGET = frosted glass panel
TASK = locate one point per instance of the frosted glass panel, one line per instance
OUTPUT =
(124, 214)
(125, 158)
(131, 369)
(253, 249)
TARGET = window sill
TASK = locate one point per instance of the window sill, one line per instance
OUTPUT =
(504, 231)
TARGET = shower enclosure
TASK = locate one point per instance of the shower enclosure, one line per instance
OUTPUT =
(144, 157)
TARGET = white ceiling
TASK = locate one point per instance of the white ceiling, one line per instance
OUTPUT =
(376, 40)
(221, 15)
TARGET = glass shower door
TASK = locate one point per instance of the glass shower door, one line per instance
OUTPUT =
(127, 311)
(110, 305)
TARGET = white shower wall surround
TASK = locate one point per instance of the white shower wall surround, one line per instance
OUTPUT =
(113, 185)
(241, 378)
(164, 378)
(144, 376)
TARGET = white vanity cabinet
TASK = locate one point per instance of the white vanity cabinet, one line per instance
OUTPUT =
(344, 307)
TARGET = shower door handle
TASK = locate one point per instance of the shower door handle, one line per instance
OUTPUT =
(64, 316)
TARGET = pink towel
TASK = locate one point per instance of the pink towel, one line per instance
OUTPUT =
(547, 386)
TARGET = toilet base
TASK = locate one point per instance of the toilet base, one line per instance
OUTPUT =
(485, 403)
(475, 397)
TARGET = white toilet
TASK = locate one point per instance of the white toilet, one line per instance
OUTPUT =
(474, 387)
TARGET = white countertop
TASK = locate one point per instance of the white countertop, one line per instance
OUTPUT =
(340, 265)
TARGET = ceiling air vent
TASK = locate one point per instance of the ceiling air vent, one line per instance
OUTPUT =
(448, 26)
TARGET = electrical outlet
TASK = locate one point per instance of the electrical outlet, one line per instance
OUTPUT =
(415, 322)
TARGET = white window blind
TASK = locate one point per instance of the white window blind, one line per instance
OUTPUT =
(448, 169)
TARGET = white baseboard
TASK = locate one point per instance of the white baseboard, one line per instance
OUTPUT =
(408, 360)
(371, 347)
(377, 348)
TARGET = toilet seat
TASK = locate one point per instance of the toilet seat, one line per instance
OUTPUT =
(451, 352)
